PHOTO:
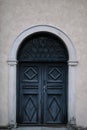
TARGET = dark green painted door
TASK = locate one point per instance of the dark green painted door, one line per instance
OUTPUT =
(42, 93)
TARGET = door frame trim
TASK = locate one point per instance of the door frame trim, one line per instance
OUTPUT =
(72, 69)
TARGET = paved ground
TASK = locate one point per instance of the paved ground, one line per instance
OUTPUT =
(45, 128)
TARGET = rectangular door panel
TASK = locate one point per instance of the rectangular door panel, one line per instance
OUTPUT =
(30, 108)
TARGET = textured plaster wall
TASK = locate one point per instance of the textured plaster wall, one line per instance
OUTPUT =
(68, 15)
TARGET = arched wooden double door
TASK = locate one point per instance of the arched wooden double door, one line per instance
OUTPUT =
(42, 80)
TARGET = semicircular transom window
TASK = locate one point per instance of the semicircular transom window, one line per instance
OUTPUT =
(43, 47)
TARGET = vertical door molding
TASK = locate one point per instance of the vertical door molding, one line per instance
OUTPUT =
(72, 66)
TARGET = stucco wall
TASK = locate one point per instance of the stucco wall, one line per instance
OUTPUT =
(68, 15)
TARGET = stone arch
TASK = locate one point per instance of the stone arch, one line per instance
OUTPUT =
(72, 63)
(46, 28)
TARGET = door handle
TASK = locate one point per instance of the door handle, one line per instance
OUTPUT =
(44, 88)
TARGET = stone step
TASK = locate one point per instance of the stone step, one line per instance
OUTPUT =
(40, 128)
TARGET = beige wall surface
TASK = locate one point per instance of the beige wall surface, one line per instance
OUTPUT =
(68, 15)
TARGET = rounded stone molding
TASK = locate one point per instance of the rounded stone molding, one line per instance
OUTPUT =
(45, 28)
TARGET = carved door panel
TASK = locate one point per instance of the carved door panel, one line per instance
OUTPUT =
(29, 108)
(55, 96)
(42, 97)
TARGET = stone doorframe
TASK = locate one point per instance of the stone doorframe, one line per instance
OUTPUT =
(72, 66)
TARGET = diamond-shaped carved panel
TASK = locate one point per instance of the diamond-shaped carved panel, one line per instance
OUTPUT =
(30, 73)
(54, 108)
(55, 73)
(30, 109)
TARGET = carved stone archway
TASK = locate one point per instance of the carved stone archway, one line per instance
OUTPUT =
(72, 63)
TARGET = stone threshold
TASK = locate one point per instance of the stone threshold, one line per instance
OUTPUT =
(40, 128)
